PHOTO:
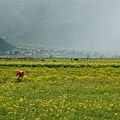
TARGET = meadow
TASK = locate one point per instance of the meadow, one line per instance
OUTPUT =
(60, 90)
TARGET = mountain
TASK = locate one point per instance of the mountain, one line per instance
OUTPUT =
(77, 24)
(5, 46)
(30, 23)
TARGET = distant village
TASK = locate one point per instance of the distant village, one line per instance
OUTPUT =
(51, 53)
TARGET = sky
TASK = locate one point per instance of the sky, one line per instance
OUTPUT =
(100, 22)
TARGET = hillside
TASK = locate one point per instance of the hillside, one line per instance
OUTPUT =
(5, 46)
(30, 23)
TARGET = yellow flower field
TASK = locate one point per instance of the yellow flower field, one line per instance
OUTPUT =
(60, 90)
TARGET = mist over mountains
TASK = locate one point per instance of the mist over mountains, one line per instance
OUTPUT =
(86, 25)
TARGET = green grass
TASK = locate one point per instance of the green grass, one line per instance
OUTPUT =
(60, 93)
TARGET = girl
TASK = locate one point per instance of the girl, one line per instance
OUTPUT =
(20, 73)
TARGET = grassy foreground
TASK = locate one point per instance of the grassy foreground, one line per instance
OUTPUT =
(60, 90)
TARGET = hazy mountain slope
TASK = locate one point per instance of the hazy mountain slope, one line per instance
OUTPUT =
(61, 25)
(23, 18)
(11, 23)
(56, 26)
(5, 46)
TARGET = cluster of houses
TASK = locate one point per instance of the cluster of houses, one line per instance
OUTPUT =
(52, 53)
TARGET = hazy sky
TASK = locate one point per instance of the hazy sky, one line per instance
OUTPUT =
(100, 24)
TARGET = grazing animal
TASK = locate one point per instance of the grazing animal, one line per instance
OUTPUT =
(20, 73)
